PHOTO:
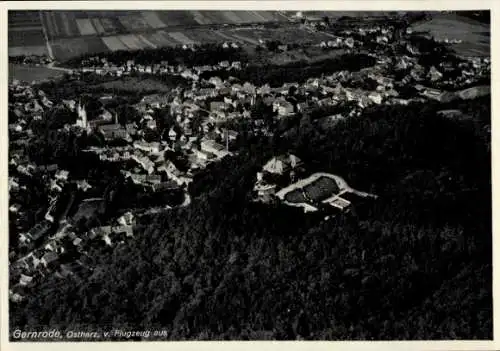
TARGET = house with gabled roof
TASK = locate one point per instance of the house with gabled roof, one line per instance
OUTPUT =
(25, 280)
(282, 164)
(214, 148)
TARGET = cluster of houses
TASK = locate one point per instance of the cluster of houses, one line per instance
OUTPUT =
(65, 254)
(279, 170)
(284, 178)
(472, 70)
(102, 66)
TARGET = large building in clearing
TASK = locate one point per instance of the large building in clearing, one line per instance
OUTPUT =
(282, 164)
(214, 148)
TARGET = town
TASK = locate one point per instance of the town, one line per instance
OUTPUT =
(86, 170)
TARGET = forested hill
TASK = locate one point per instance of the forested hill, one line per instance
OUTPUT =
(415, 264)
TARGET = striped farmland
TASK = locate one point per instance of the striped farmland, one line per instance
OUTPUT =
(181, 38)
(133, 42)
(167, 39)
(114, 43)
(177, 18)
(148, 43)
(200, 18)
(110, 25)
(68, 48)
(151, 18)
(20, 19)
(26, 38)
(156, 39)
(134, 22)
(96, 22)
(69, 24)
(39, 50)
(85, 26)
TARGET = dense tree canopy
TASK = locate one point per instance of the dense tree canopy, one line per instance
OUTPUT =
(277, 75)
(205, 54)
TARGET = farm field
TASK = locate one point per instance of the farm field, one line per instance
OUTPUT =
(75, 33)
(295, 196)
(176, 18)
(321, 189)
(125, 30)
(202, 35)
(239, 17)
(62, 24)
(160, 39)
(114, 43)
(69, 24)
(133, 42)
(25, 34)
(317, 191)
(475, 35)
(474, 92)
(85, 26)
(109, 25)
(21, 19)
(31, 73)
(134, 23)
(26, 38)
(338, 14)
(65, 24)
(66, 48)
(285, 35)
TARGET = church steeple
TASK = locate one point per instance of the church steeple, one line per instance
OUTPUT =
(82, 115)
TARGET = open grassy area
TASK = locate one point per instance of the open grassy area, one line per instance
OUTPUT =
(320, 189)
(31, 73)
(295, 196)
(475, 36)
(76, 33)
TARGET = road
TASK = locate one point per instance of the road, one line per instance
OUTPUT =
(174, 28)
(49, 48)
(52, 66)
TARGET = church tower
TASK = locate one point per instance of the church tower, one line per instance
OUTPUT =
(82, 115)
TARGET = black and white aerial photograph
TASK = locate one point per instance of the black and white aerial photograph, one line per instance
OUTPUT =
(211, 175)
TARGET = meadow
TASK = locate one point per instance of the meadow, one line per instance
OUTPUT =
(474, 35)
(31, 73)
